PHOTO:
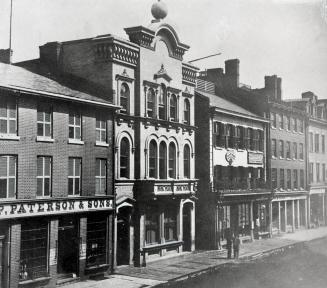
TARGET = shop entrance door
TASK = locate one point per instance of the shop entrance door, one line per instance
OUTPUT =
(187, 227)
(123, 236)
(67, 247)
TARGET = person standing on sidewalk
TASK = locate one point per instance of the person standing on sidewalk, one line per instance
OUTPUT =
(236, 246)
(229, 244)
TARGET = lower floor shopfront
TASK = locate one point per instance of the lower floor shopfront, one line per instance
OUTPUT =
(289, 211)
(317, 206)
(46, 243)
(246, 215)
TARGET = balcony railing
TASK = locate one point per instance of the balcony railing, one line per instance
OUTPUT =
(159, 187)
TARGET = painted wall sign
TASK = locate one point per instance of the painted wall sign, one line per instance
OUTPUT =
(255, 158)
(52, 206)
(230, 157)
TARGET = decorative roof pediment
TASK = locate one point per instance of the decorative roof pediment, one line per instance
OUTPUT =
(124, 77)
(162, 73)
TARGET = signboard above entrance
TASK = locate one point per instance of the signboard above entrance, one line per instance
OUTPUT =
(44, 207)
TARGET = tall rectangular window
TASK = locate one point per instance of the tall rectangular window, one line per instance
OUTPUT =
(282, 179)
(74, 176)
(294, 124)
(316, 142)
(75, 126)
(273, 148)
(288, 179)
(274, 178)
(44, 121)
(323, 143)
(273, 120)
(311, 141)
(287, 123)
(323, 172)
(318, 172)
(281, 148)
(152, 226)
(101, 177)
(311, 172)
(281, 122)
(288, 150)
(170, 224)
(295, 180)
(8, 168)
(34, 249)
(294, 150)
(302, 178)
(301, 155)
(301, 126)
(43, 176)
(8, 116)
(101, 130)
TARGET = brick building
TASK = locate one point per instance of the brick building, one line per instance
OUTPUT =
(56, 181)
(231, 164)
(287, 155)
(154, 131)
(317, 159)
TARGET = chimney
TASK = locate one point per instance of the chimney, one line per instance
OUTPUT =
(50, 54)
(307, 95)
(5, 56)
(273, 87)
(232, 73)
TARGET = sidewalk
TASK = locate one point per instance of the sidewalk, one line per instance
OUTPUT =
(190, 265)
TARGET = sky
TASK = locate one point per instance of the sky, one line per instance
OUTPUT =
(283, 37)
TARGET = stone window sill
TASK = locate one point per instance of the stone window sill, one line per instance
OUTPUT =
(101, 144)
(9, 137)
(44, 139)
(29, 282)
(75, 141)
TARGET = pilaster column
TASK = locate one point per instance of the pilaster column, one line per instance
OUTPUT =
(298, 214)
(177, 109)
(180, 221)
(279, 218)
(293, 216)
(285, 215)
(115, 241)
(168, 106)
(145, 102)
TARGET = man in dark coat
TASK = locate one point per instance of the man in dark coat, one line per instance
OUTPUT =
(229, 239)
(236, 246)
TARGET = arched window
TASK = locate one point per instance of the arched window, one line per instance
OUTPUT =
(153, 159)
(162, 160)
(162, 102)
(124, 158)
(187, 111)
(150, 103)
(173, 108)
(172, 160)
(187, 161)
(124, 97)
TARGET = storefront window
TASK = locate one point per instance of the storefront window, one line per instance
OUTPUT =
(96, 240)
(152, 226)
(33, 250)
(170, 224)
(243, 218)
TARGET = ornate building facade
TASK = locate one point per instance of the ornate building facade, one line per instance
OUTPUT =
(154, 131)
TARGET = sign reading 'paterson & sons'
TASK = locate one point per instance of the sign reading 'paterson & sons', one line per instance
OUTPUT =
(53, 206)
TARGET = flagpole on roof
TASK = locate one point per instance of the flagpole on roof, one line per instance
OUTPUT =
(10, 28)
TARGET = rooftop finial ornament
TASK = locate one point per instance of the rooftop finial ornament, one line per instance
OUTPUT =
(159, 10)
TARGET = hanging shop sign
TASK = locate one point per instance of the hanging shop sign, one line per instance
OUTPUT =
(46, 207)
(255, 158)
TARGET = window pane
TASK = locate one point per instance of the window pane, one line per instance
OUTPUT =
(12, 187)
(39, 166)
(3, 126)
(77, 120)
(39, 187)
(103, 168)
(71, 167)
(70, 186)
(97, 167)
(47, 131)
(46, 187)
(12, 166)
(12, 126)
(3, 166)
(3, 109)
(77, 167)
(71, 132)
(97, 125)
(3, 188)
(103, 136)
(77, 186)
(39, 116)
(98, 133)
(97, 186)
(71, 119)
(39, 129)
(47, 117)
(78, 133)
(47, 166)
(102, 186)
